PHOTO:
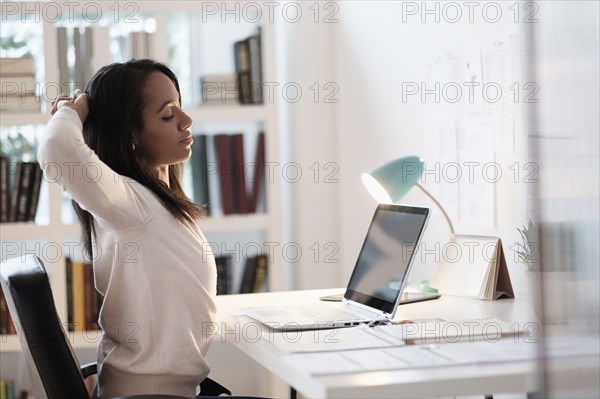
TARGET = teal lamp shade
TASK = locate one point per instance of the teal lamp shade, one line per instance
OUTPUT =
(391, 181)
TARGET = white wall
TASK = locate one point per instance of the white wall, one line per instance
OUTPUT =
(305, 61)
(376, 51)
(373, 53)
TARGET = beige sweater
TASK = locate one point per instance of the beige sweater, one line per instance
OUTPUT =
(157, 275)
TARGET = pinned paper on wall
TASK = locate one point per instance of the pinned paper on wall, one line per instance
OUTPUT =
(471, 127)
(478, 206)
(473, 77)
(448, 169)
(499, 92)
(442, 172)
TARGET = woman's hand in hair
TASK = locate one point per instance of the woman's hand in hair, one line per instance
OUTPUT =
(78, 102)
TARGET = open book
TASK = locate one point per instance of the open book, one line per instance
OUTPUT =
(473, 266)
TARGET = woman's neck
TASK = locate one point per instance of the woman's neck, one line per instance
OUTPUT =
(163, 174)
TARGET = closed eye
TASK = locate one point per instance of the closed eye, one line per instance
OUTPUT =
(167, 118)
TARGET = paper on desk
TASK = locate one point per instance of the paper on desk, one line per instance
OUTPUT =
(417, 332)
(412, 357)
(360, 337)
(490, 329)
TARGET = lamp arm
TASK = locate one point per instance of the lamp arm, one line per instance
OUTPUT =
(438, 205)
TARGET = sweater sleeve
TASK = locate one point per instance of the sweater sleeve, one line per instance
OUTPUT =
(67, 160)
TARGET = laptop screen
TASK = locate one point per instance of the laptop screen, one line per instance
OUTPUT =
(386, 255)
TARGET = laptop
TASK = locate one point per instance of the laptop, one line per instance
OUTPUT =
(377, 281)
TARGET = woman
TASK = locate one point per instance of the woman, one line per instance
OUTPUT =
(117, 149)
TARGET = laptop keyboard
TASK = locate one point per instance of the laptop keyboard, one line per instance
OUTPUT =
(325, 313)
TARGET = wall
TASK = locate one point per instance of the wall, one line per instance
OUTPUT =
(311, 174)
(378, 47)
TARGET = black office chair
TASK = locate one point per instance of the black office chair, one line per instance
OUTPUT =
(54, 370)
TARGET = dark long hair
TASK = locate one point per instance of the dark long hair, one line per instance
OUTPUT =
(116, 101)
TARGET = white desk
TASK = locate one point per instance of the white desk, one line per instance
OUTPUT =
(240, 331)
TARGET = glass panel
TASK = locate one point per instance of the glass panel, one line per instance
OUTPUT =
(564, 135)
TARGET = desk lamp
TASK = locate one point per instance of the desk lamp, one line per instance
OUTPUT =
(391, 181)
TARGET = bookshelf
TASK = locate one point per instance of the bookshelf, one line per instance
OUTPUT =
(57, 231)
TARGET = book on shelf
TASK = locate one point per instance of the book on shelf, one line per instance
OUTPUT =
(20, 103)
(224, 265)
(255, 274)
(63, 64)
(27, 173)
(34, 196)
(84, 55)
(20, 191)
(239, 166)
(78, 295)
(90, 50)
(248, 68)
(15, 187)
(18, 85)
(242, 70)
(69, 284)
(30, 172)
(200, 171)
(87, 54)
(218, 89)
(16, 66)
(258, 181)
(260, 273)
(100, 51)
(3, 314)
(4, 189)
(79, 60)
(7, 389)
(7, 326)
(83, 301)
(214, 192)
(256, 81)
(139, 45)
(236, 197)
(226, 171)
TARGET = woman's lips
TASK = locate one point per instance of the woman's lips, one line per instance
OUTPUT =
(187, 140)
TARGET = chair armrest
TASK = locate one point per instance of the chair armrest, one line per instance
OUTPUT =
(151, 396)
(89, 369)
(210, 387)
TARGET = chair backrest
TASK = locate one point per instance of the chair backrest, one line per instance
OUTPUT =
(51, 361)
